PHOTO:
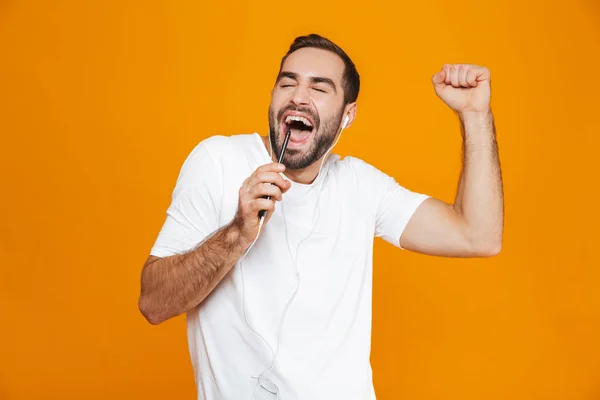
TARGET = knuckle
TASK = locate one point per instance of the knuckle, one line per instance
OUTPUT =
(255, 189)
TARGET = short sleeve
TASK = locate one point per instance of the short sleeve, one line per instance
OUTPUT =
(396, 207)
(194, 210)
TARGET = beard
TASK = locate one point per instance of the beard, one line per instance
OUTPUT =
(323, 138)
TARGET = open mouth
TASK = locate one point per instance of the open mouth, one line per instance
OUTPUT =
(300, 129)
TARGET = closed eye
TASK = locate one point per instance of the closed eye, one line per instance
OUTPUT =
(320, 90)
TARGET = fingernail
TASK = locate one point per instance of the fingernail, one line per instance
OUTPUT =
(280, 167)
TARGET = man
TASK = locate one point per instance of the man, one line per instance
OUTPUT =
(283, 310)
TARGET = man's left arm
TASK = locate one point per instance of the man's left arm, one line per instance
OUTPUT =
(473, 225)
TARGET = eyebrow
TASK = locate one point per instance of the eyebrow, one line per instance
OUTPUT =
(313, 79)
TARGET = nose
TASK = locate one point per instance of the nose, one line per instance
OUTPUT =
(301, 97)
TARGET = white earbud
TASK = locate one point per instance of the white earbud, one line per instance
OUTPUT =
(345, 122)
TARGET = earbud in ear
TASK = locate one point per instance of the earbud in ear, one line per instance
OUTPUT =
(345, 122)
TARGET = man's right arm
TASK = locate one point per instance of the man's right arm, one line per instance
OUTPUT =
(175, 284)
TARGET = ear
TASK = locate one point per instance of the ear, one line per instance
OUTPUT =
(350, 113)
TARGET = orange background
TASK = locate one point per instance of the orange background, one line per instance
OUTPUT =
(102, 101)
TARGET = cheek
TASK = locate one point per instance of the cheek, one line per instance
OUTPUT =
(329, 101)
(327, 111)
(278, 100)
(273, 110)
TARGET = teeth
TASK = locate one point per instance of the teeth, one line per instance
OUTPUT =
(297, 118)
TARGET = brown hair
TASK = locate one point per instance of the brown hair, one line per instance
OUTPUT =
(350, 78)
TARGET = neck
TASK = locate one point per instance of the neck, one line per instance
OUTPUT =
(305, 175)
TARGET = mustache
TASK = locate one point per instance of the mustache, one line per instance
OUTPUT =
(303, 110)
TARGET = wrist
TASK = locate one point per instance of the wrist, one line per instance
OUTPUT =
(477, 125)
(235, 235)
(476, 116)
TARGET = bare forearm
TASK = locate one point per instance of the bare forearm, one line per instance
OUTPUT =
(175, 284)
(479, 197)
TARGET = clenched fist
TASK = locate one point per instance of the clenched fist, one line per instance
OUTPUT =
(464, 87)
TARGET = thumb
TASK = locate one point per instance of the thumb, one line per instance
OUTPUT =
(439, 78)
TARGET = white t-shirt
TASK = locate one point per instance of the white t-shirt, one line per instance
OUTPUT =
(318, 241)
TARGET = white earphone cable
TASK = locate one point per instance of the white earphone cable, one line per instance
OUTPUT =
(260, 225)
